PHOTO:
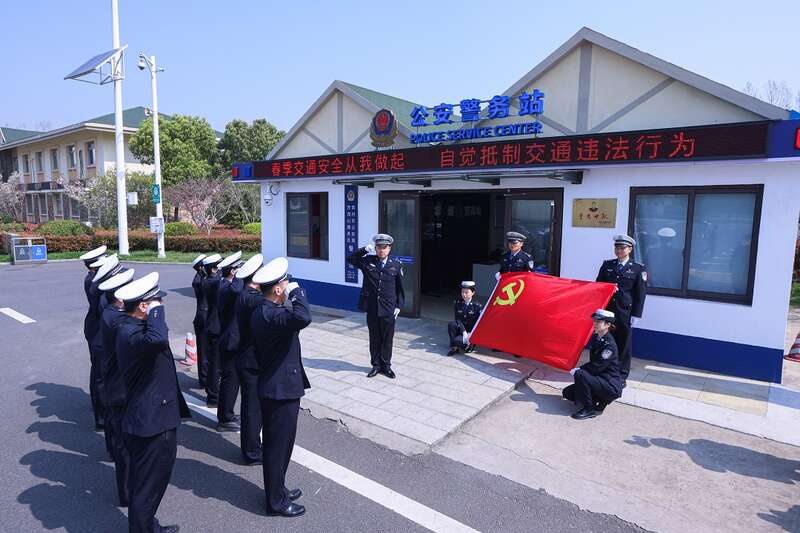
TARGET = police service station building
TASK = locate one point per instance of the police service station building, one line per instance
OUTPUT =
(598, 139)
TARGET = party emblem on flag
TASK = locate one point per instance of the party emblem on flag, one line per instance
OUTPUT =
(510, 295)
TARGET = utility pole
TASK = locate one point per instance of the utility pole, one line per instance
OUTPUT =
(122, 206)
(150, 63)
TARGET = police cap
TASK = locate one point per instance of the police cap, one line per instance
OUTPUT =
(626, 240)
(232, 261)
(197, 260)
(273, 272)
(110, 267)
(143, 289)
(92, 255)
(250, 266)
(115, 282)
(382, 239)
(515, 236)
(468, 285)
(603, 314)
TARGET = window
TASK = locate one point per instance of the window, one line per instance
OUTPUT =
(307, 225)
(698, 242)
(72, 159)
(29, 207)
(58, 205)
(26, 164)
(39, 162)
(74, 209)
(90, 153)
(54, 158)
(43, 208)
(15, 163)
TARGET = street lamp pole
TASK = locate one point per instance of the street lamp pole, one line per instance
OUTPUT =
(154, 70)
(122, 207)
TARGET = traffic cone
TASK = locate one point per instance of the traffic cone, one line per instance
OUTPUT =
(794, 352)
(190, 350)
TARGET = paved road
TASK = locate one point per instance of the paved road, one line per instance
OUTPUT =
(55, 475)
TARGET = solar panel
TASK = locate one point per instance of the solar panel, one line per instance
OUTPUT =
(93, 65)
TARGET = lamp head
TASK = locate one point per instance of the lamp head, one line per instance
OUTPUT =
(141, 64)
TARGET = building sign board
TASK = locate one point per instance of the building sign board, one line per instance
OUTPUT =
(350, 230)
(594, 212)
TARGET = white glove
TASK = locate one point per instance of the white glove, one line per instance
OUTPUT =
(466, 336)
(572, 372)
(292, 286)
(497, 276)
(396, 312)
(370, 248)
(634, 320)
(152, 305)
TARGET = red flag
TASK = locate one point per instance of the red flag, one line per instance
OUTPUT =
(541, 317)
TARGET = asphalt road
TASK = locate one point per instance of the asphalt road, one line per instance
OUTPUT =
(56, 477)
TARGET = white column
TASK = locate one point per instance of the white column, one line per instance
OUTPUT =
(122, 206)
(157, 152)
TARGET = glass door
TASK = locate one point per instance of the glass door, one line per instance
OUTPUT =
(537, 214)
(399, 217)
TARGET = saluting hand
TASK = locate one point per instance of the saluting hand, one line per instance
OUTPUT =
(572, 372)
(292, 286)
(396, 312)
(370, 248)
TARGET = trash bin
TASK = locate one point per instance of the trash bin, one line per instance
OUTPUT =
(28, 250)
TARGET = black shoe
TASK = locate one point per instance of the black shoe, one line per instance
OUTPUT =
(294, 494)
(201, 385)
(470, 348)
(252, 462)
(289, 512)
(170, 529)
(600, 406)
(374, 372)
(212, 403)
(99, 426)
(584, 414)
(229, 427)
(388, 373)
(452, 351)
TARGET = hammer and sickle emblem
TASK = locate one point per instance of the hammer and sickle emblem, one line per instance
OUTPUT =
(510, 295)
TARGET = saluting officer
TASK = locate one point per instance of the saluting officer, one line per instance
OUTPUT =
(91, 325)
(467, 312)
(282, 380)
(154, 404)
(229, 289)
(381, 297)
(199, 319)
(597, 383)
(246, 362)
(515, 259)
(113, 384)
(88, 258)
(212, 327)
(627, 303)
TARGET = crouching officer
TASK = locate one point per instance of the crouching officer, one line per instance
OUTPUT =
(200, 319)
(282, 380)
(467, 312)
(597, 383)
(113, 384)
(154, 404)
(381, 297)
(515, 259)
(627, 303)
(229, 289)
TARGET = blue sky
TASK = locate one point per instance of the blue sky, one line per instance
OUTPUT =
(253, 59)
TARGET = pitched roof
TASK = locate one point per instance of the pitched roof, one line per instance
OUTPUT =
(131, 118)
(8, 135)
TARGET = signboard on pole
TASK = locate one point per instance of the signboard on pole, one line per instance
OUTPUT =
(155, 191)
(156, 225)
(350, 230)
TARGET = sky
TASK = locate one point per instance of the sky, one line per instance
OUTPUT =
(262, 59)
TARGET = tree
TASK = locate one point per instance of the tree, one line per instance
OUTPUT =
(207, 200)
(12, 197)
(773, 92)
(245, 201)
(244, 142)
(99, 196)
(188, 147)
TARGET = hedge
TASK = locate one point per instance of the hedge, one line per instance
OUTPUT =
(64, 227)
(179, 228)
(253, 228)
(147, 241)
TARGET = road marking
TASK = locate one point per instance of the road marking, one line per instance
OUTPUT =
(394, 501)
(16, 316)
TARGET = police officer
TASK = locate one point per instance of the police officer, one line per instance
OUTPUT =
(91, 326)
(113, 385)
(154, 404)
(515, 259)
(282, 380)
(88, 258)
(212, 328)
(381, 297)
(627, 303)
(248, 300)
(597, 383)
(229, 289)
(467, 312)
(200, 319)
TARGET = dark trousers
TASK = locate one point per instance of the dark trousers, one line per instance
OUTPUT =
(228, 387)
(622, 335)
(96, 386)
(588, 390)
(279, 419)
(152, 459)
(250, 410)
(456, 332)
(202, 358)
(381, 335)
(119, 453)
(214, 367)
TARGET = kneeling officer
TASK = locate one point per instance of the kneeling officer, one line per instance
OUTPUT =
(466, 312)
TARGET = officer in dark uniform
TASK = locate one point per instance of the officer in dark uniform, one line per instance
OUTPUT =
(467, 312)
(282, 380)
(381, 297)
(200, 319)
(597, 383)
(91, 324)
(212, 327)
(88, 258)
(515, 259)
(229, 289)
(154, 404)
(246, 362)
(113, 385)
(627, 303)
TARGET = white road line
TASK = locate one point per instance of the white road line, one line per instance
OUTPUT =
(16, 316)
(394, 501)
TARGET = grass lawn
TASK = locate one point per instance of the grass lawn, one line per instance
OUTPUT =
(147, 256)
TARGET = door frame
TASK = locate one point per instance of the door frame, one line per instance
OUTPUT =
(554, 194)
(416, 282)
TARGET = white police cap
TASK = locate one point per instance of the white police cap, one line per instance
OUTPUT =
(99, 262)
(468, 285)
(212, 260)
(603, 314)
(198, 259)
(382, 239)
(143, 289)
(109, 268)
(117, 281)
(230, 261)
(94, 254)
(515, 236)
(273, 272)
(250, 266)
(624, 239)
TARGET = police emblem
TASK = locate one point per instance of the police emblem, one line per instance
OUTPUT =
(351, 196)
(606, 354)
(383, 129)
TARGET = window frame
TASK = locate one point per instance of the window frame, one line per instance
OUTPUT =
(26, 163)
(74, 163)
(308, 194)
(692, 191)
(93, 153)
(57, 160)
(58, 201)
(74, 209)
(38, 161)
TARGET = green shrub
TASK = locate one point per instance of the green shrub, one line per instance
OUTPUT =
(254, 228)
(147, 241)
(179, 228)
(12, 227)
(63, 227)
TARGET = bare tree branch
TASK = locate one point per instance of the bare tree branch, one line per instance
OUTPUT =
(206, 200)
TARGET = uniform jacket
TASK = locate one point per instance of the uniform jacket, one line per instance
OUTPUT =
(226, 302)
(210, 289)
(382, 291)
(467, 313)
(632, 285)
(604, 361)
(154, 402)
(87, 282)
(248, 300)
(201, 307)
(91, 324)
(276, 331)
(521, 262)
(113, 383)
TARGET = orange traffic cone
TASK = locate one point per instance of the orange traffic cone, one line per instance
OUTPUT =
(190, 350)
(794, 352)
